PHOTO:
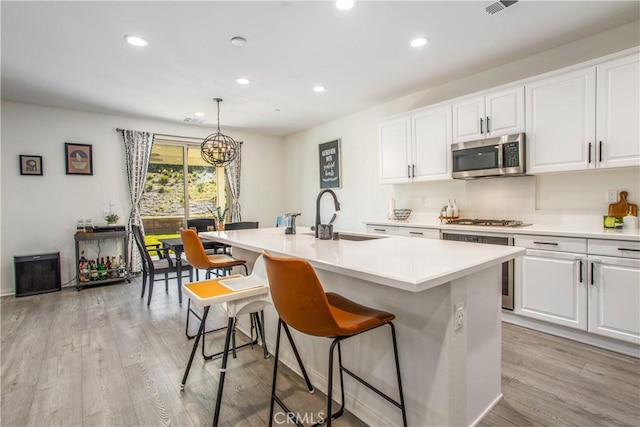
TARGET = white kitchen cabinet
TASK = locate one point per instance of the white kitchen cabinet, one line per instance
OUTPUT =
(494, 114)
(614, 289)
(550, 283)
(560, 118)
(425, 233)
(561, 111)
(382, 229)
(395, 150)
(416, 146)
(618, 113)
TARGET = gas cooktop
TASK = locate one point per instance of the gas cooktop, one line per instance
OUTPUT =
(487, 222)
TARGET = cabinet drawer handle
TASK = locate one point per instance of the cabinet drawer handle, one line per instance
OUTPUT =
(630, 250)
(380, 229)
(589, 153)
(416, 232)
(545, 243)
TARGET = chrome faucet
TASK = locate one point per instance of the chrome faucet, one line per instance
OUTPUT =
(335, 202)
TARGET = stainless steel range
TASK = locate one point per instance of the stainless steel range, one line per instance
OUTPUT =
(487, 222)
(491, 239)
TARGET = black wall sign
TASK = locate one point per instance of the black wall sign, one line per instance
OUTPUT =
(330, 164)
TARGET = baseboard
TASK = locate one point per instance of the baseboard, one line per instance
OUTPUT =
(486, 411)
(584, 337)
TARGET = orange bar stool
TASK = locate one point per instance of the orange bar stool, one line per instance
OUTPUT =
(301, 303)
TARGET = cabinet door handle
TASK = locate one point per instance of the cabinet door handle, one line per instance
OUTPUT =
(488, 130)
(408, 171)
(600, 151)
(413, 171)
(545, 243)
(589, 153)
(630, 250)
(481, 127)
(580, 265)
(593, 273)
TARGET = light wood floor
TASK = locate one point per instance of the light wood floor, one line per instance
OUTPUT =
(101, 357)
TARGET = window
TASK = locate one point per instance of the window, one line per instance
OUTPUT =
(179, 185)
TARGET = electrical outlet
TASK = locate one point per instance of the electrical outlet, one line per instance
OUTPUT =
(458, 316)
(422, 200)
(612, 196)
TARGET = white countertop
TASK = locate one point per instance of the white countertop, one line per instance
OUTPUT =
(581, 230)
(401, 262)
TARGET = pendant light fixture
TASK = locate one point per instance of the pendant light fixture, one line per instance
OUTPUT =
(218, 149)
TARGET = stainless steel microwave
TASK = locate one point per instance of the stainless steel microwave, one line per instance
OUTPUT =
(491, 157)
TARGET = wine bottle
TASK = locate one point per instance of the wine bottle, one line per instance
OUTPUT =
(94, 270)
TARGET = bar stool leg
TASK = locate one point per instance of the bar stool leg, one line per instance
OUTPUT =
(395, 353)
(275, 374)
(295, 352)
(195, 347)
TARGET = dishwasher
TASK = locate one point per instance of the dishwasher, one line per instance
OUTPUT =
(507, 267)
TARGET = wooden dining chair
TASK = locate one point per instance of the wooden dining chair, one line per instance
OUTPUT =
(162, 264)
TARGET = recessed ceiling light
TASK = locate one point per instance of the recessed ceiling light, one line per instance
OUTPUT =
(136, 41)
(319, 89)
(419, 41)
(199, 114)
(242, 81)
(345, 4)
(238, 41)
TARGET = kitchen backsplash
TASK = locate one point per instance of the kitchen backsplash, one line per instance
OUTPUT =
(564, 198)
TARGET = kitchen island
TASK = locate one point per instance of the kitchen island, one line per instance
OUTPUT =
(446, 298)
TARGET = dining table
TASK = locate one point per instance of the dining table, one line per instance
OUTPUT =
(175, 244)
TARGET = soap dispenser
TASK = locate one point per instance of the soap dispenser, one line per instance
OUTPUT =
(455, 209)
(449, 209)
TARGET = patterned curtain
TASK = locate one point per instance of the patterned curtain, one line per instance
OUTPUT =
(137, 148)
(233, 171)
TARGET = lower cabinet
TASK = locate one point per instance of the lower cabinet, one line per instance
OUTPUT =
(581, 289)
(614, 294)
(382, 229)
(425, 233)
(552, 283)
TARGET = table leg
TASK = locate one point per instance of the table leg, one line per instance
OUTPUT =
(195, 346)
(178, 253)
(223, 371)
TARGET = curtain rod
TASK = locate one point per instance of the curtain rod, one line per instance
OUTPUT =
(163, 135)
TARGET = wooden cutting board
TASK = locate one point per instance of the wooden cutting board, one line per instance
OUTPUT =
(622, 207)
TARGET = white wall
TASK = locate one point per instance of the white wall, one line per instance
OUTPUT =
(39, 213)
(363, 198)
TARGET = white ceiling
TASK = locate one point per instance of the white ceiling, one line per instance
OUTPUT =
(72, 54)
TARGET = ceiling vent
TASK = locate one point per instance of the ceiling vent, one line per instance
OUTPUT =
(192, 120)
(498, 6)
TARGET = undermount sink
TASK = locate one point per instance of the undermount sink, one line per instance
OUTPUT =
(352, 237)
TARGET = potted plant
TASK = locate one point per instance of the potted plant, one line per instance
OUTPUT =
(220, 216)
(111, 218)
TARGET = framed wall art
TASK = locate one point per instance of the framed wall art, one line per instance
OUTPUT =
(78, 159)
(330, 164)
(30, 165)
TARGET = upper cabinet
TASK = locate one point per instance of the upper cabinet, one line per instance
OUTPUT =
(395, 150)
(416, 146)
(493, 114)
(618, 112)
(562, 112)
